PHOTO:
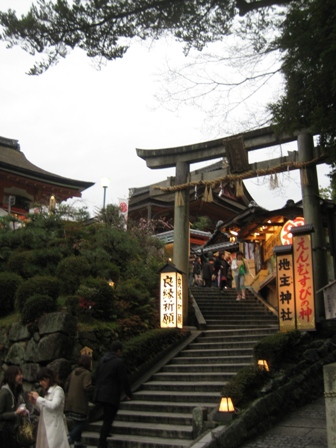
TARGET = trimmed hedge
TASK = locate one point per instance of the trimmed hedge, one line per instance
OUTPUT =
(36, 306)
(277, 348)
(140, 350)
(40, 284)
(9, 283)
(71, 271)
(96, 297)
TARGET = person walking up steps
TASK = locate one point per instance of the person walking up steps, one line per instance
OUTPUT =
(110, 381)
(78, 389)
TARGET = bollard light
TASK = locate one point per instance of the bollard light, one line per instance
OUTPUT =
(225, 410)
(262, 364)
(226, 405)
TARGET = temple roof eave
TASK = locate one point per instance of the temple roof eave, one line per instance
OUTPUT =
(46, 177)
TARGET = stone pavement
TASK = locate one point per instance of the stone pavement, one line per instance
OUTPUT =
(304, 428)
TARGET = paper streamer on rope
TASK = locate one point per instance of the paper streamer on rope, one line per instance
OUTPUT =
(205, 194)
(221, 190)
(210, 196)
(304, 176)
(239, 188)
(274, 181)
(179, 199)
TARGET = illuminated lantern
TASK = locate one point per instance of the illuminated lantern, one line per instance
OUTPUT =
(171, 297)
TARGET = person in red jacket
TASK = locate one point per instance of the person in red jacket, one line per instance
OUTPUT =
(110, 381)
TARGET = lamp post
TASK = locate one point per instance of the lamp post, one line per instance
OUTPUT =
(105, 182)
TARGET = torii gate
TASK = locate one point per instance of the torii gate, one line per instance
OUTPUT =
(235, 149)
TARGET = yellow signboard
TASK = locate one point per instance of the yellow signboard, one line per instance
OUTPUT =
(285, 290)
(304, 282)
(171, 303)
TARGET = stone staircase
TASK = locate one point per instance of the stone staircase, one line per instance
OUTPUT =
(160, 415)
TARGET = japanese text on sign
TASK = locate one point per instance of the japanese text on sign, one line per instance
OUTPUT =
(304, 290)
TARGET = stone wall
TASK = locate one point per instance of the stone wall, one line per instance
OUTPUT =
(53, 341)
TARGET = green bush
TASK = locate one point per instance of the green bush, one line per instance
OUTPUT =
(40, 284)
(72, 305)
(276, 348)
(34, 262)
(134, 299)
(130, 327)
(47, 259)
(140, 350)
(96, 298)
(9, 283)
(36, 306)
(245, 386)
(71, 271)
(21, 262)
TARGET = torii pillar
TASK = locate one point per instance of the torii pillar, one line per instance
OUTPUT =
(181, 228)
(312, 212)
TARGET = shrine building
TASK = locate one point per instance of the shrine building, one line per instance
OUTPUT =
(24, 185)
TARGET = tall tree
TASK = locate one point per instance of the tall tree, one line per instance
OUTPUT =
(306, 37)
(103, 28)
(308, 46)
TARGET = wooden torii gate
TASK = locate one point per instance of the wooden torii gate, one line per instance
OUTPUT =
(235, 149)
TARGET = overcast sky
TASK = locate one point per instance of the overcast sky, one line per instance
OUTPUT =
(83, 123)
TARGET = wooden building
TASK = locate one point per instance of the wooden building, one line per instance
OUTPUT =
(153, 202)
(23, 185)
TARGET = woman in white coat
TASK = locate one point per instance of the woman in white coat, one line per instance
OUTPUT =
(52, 431)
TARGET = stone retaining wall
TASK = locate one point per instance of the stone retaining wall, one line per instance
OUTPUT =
(53, 341)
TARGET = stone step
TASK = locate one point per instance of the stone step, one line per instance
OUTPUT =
(252, 335)
(219, 352)
(222, 344)
(163, 406)
(150, 429)
(177, 396)
(158, 417)
(210, 359)
(219, 367)
(238, 332)
(131, 441)
(228, 326)
(206, 383)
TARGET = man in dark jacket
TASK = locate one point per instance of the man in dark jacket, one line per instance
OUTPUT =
(110, 381)
(208, 270)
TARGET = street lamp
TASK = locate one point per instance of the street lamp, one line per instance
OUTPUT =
(105, 182)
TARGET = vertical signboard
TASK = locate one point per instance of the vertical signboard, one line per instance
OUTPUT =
(171, 297)
(285, 287)
(303, 277)
(179, 300)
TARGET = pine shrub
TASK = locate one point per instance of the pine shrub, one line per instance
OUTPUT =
(36, 306)
(40, 284)
(71, 271)
(72, 305)
(9, 283)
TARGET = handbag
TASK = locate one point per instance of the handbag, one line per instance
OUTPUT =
(26, 432)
